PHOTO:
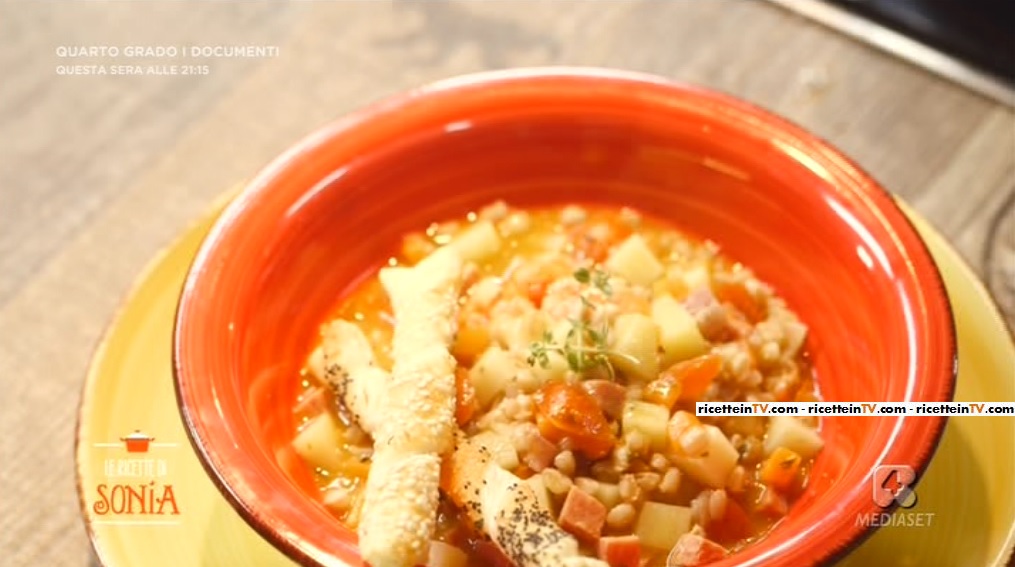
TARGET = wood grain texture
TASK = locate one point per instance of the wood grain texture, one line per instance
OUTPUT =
(97, 173)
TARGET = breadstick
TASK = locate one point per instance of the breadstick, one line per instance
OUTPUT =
(413, 419)
(351, 368)
(507, 509)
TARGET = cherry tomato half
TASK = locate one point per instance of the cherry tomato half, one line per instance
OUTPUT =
(566, 410)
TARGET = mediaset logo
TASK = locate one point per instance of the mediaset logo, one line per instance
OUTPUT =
(893, 485)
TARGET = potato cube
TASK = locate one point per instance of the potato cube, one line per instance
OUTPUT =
(472, 339)
(697, 277)
(715, 464)
(555, 370)
(633, 261)
(794, 336)
(661, 525)
(520, 329)
(793, 434)
(477, 242)
(634, 345)
(495, 370)
(679, 336)
(318, 442)
(647, 419)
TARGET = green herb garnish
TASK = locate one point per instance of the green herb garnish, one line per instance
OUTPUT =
(584, 347)
(598, 278)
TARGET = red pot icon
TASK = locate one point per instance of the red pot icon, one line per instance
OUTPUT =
(137, 442)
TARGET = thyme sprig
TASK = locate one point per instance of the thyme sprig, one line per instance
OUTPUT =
(585, 347)
(598, 278)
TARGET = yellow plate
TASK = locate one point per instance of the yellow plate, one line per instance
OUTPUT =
(158, 507)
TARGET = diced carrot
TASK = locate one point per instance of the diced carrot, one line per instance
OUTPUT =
(416, 246)
(466, 404)
(472, 339)
(694, 375)
(619, 229)
(780, 469)
(737, 295)
(532, 280)
(595, 250)
(536, 291)
(524, 471)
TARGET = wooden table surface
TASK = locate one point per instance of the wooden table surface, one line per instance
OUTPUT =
(98, 172)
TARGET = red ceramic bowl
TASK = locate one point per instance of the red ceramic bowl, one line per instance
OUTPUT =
(332, 209)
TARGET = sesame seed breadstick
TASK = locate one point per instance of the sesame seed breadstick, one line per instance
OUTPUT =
(413, 420)
(419, 402)
(398, 515)
(410, 414)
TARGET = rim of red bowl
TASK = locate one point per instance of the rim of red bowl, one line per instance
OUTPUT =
(217, 457)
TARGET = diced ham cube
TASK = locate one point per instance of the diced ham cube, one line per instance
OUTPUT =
(620, 551)
(700, 298)
(692, 550)
(582, 515)
(734, 525)
(313, 402)
(772, 504)
(713, 320)
(539, 453)
(608, 394)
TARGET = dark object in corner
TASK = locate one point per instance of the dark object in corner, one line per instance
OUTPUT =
(978, 32)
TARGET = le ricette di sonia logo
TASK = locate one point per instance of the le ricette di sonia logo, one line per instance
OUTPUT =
(135, 481)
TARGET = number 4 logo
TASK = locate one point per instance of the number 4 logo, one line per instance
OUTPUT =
(894, 484)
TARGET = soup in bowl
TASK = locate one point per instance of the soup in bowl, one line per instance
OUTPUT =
(469, 326)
